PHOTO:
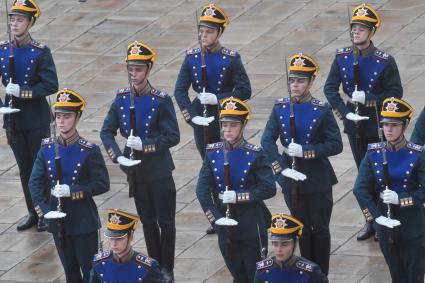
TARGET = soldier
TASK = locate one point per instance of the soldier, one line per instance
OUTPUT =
(250, 182)
(122, 263)
(225, 77)
(78, 175)
(368, 76)
(35, 78)
(398, 212)
(418, 135)
(156, 131)
(318, 137)
(285, 266)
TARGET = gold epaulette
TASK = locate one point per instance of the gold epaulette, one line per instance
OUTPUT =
(264, 263)
(193, 51)
(381, 54)
(344, 50)
(85, 143)
(229, 52)
(212, 146)
(158, 93)
(37, 44)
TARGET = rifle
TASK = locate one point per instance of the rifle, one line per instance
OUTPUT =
(356, 75)
(295, 185)
(12, 77)
(204, 80)
(263, 250)
(60, 215)
(131, 182)
(387, 181)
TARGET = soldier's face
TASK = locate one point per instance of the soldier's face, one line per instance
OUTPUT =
(283, 250)
(300, 86)
(119, 245)
(138, 74)
(209, 36)
(19, 25)
(360, 33)
(232, 131)
(66, 122)
(393, 131)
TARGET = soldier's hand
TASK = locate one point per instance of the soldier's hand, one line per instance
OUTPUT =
(124, 161)
(202, 121)
(229, 197)
(358, 96)
(208, 98)
(13, 89)
(293, 174)
(355, 118)
(390, 196)
(61, 191)
(135, 143)
(387, 222)
(295, 150)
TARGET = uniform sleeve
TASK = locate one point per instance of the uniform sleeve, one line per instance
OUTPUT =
(97, 181)
(109, 131)
(318, 277)
(242, 85)
(268, 142)
(391, 82)
(331, 90)
(37, 184)
(181, 92)
(331, 139)
(264, 187)
(155, 275)
(93, 277)
(45, 81)
(362, 190)
(169, 135)
(204, 187)
(416, 196)
(418, 135)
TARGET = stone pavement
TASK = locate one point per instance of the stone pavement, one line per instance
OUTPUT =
(88, 41)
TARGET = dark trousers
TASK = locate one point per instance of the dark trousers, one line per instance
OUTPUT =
(156, 205)
(405, 259)
(25, 147)
(359, 150)
(246, 253)
(76, 256)
(314, 211)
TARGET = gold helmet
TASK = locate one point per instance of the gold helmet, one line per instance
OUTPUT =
(234, 109)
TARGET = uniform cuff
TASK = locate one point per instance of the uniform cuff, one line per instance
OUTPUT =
(309, 154)
(406, 200)
(77, 195)
(112, 155)
(186, 115)
(243, 197)
(25, 94)
(368, 216)
(41, 209)
(276, 167)
(149, 148)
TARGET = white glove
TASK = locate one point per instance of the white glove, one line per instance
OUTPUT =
(390, 196)
(201, 121)
(387, 222)
(124, 161)
(8, 110)
(354, 117)
(61, 191)
(13, 89)
(295, 150)
(293, 174)
(54, 215)
(358, 96)
(134, 142)
(229, 197)
(208, 98)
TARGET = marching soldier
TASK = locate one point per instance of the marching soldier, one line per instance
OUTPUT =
(122, 263)
(75, 170)
(155, 132)
(368, 76)
(285, 266)
(238, 172)
(222, 75)
(396, 171)
(317, 137)
(418, 135)
(29, 78)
